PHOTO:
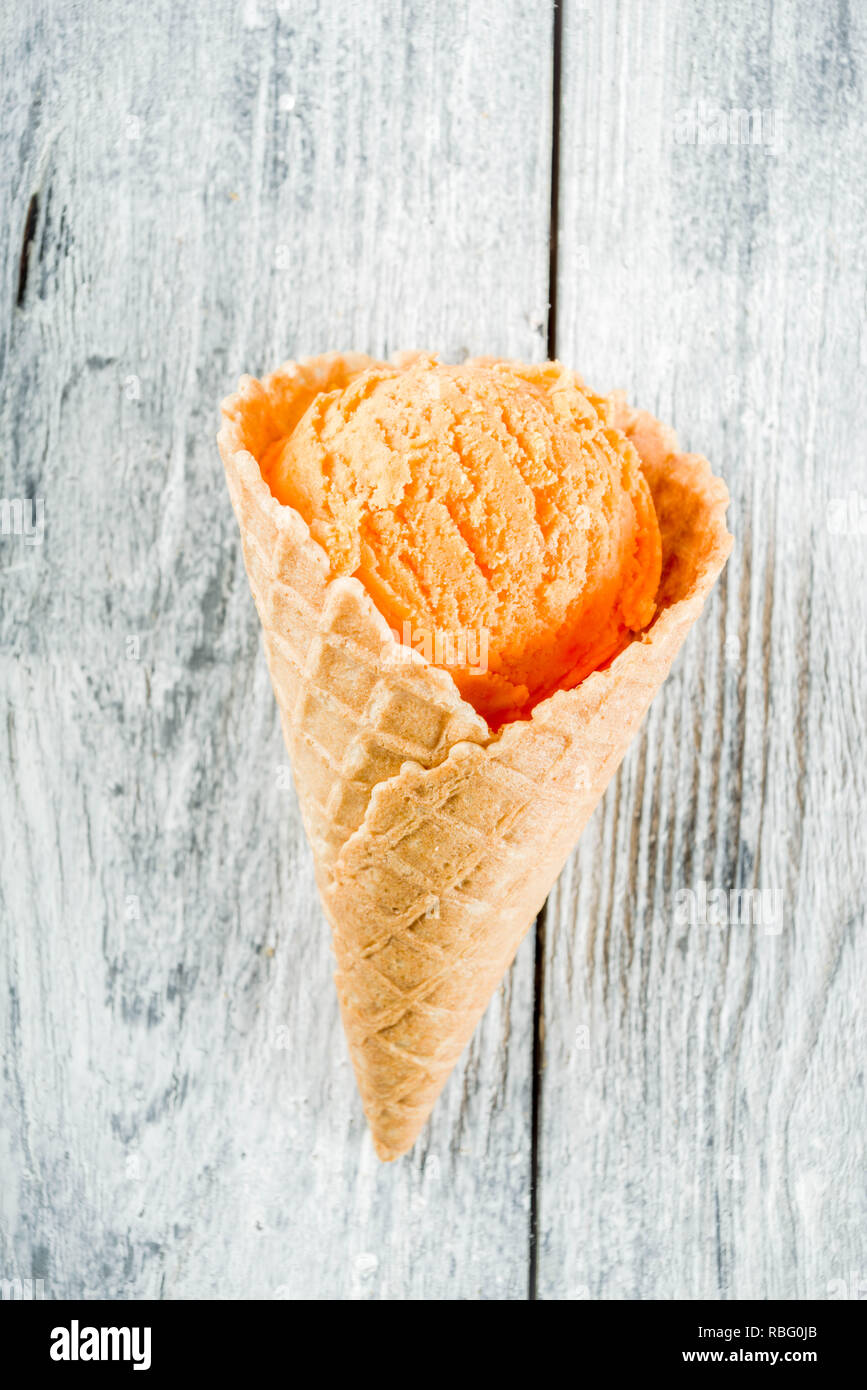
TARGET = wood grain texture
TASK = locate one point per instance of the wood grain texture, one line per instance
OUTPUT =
(192, 193)
(213, 190)
(702, 1103)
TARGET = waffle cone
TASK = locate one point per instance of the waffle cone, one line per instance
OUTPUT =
(435, 840)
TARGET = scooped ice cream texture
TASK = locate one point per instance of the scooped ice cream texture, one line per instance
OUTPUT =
(493, 513)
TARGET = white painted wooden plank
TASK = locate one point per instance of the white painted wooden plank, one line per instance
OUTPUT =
(220, 187)
(703, 1137)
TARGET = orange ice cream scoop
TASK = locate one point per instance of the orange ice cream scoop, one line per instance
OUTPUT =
(500, 523)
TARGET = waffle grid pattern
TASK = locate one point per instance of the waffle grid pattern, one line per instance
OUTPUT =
(350, 723)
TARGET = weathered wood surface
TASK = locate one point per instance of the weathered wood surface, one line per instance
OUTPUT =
(219, 188)
(222, 187)
(703, 1135)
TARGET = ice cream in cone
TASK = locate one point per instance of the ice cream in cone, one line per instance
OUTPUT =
(472, 580)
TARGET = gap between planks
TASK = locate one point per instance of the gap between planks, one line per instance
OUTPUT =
(539, 944)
